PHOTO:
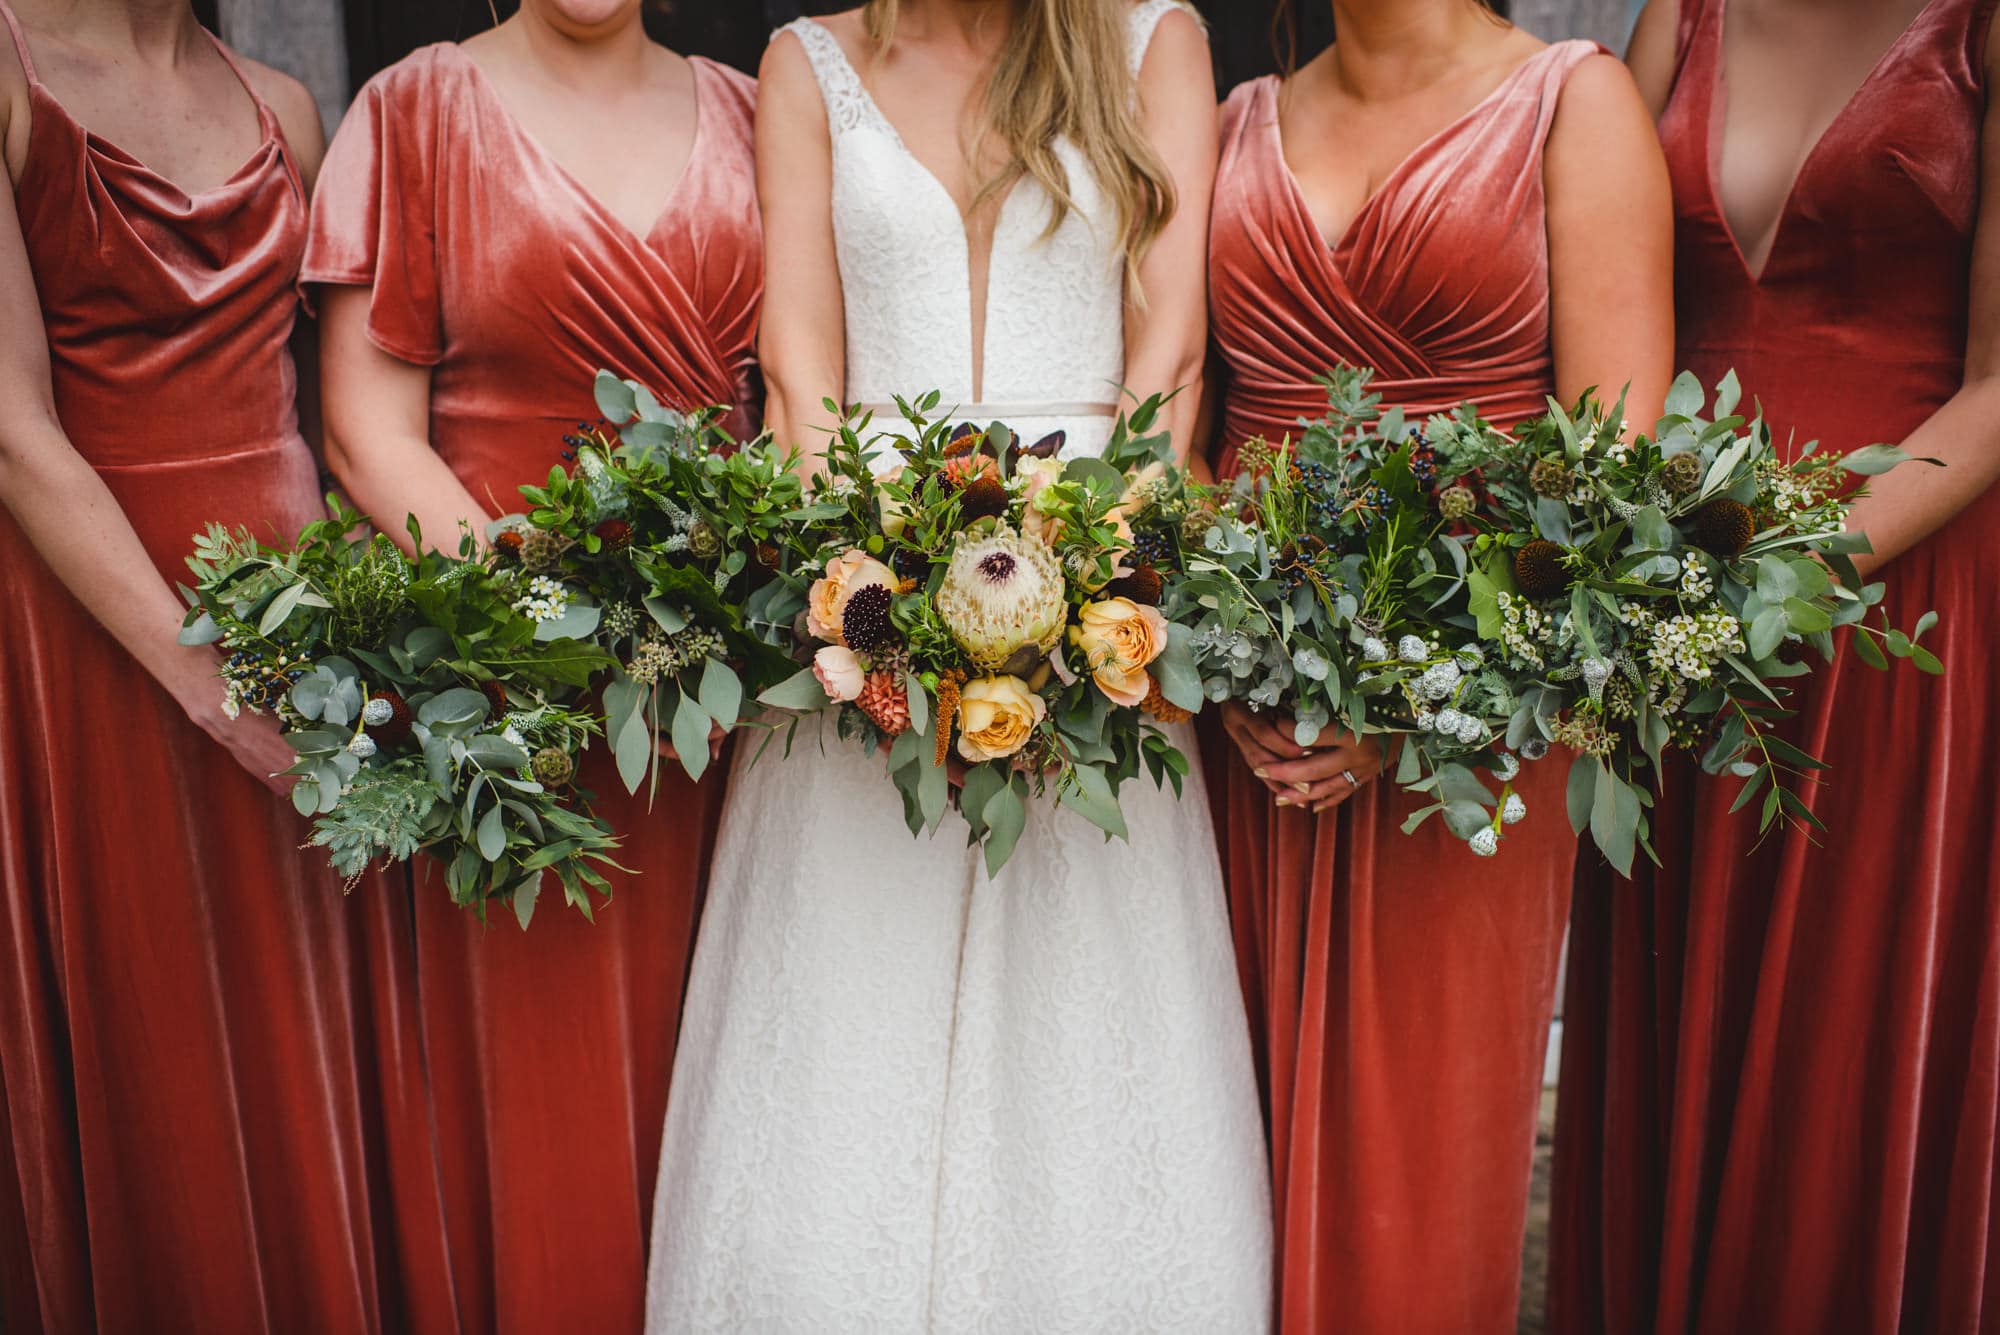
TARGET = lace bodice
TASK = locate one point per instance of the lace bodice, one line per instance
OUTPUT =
(1055, 310)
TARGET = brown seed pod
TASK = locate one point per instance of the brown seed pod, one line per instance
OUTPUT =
(1723, 527)
(1539, 570)
(1143, 586)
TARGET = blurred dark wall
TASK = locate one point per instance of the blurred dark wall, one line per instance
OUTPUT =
(381, 32)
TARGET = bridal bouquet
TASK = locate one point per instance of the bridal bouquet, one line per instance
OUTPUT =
(1484, 595)
(658, 545)
(983, 598)
(429, 707)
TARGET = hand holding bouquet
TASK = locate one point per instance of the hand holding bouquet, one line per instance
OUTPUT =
(1482, 596)
(428, 707)
(982, 598)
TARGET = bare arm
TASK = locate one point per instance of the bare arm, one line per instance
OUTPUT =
(1611, 245)
(802, 342)
(1166, 338)
(378, 421)
(1908, 505)
(79, 528)
(1650, 57)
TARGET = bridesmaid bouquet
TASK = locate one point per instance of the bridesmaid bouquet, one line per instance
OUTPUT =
(1485, 596)
(428, 710)
(985, 599)
(660, 546)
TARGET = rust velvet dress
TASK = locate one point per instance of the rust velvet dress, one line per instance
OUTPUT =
(1399, 987)
(548, 1051)
(183, 1102)
(1781, 1064)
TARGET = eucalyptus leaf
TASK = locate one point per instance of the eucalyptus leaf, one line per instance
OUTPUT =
(690, 728)
(615, 399)
(492, 834)
(721, 693)
(800, 693)
(1006, 815)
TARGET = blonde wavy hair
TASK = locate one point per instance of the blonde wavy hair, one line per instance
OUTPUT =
(1065, 73)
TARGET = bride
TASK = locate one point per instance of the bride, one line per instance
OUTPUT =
(910, 1097)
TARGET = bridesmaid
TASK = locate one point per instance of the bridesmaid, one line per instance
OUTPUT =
(1798, 1040)
(499, 220)
(1481, 217)
(182, 1096)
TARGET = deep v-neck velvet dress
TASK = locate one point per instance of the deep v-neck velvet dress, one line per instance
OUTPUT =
(1781, 1063)
(1399, 988)
(548, 1051)
(183, 1110)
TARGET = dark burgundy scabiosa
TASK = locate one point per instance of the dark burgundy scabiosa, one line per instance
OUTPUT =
(509, 542)
(387, 718)
(865, 622)
(1539, 570)
(615, 534)
(1723, 527)
(1143, 586)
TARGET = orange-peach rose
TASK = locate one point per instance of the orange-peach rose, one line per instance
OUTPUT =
(827, 599)
(1119, 639)
(996, 716)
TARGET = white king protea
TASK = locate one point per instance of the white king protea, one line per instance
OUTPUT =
(1001, 594)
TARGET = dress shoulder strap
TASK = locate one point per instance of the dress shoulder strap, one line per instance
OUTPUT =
(848, 104)
(20, 41)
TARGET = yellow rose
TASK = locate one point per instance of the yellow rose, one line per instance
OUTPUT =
(827, 599)
(1119, 639)
(996, 716)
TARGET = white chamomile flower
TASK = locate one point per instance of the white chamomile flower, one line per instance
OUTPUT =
(1412, 649)
(1485, 843)
(362, 747)
(1513, 811)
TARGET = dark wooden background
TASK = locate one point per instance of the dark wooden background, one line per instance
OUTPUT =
(381, 32)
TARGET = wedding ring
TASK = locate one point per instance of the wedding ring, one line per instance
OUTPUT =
(1348, 775)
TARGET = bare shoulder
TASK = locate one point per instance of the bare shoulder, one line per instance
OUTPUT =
(296, 109)
(1179, 47)
(785, 79)
(1600, 104)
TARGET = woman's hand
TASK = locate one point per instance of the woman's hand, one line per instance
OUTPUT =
(1316, 778)
(253, 741)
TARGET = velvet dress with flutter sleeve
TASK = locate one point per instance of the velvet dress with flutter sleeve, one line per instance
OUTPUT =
(548, 1050)
(184, 1113)
(1399, 988)
(1781, 1059)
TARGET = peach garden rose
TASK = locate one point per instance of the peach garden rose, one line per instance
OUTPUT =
(1118, 640)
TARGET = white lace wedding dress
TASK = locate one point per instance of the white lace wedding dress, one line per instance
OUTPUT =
(910, 1098)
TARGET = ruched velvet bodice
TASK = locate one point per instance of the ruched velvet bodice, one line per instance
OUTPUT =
(1441, 282)
(1886, 200)
(490, 264)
